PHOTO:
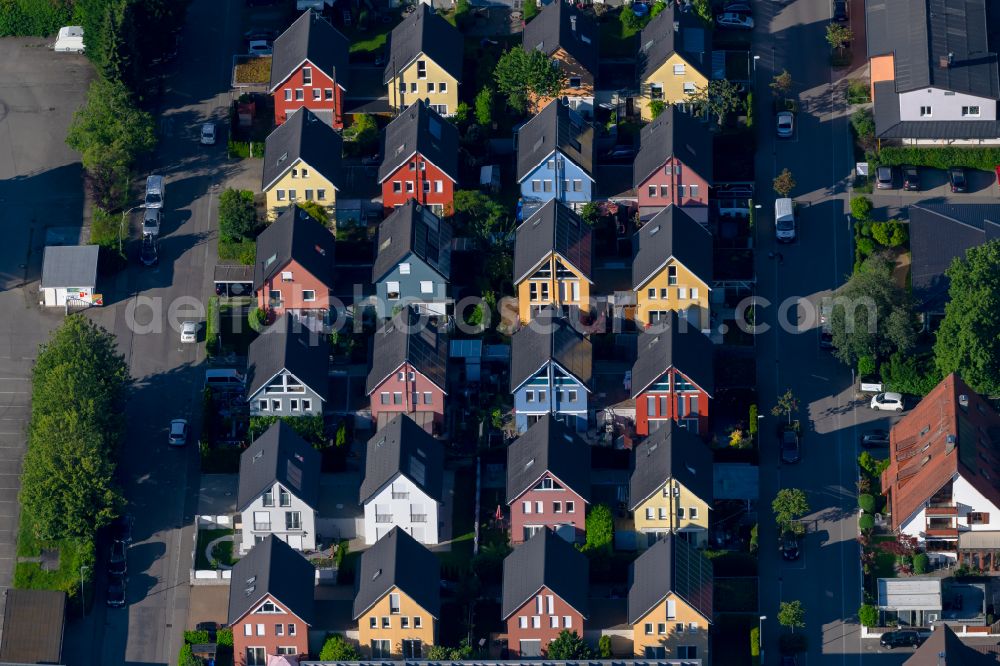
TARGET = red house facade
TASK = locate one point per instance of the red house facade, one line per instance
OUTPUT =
(672, 396)
(421, 161)
(674, 182)
(549, 505)
(271, 629)
(309, 68)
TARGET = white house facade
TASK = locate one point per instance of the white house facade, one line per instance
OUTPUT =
(277, 511)
(285, 395)
(402, 503)
(968, 511)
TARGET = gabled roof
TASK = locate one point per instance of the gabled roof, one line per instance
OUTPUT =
(561, 26)
(33, 623)
(671, 452)
(279, 455)
(940, 233)
(272, 567)
(944, 44)
(288, 345)
(304, 136)
(398, 561)
(403, 447)
(888, 124)
(553, 228)
(310, 38)
(556, 127)
(671, 233)
(295, 235)
(673, 134)
(409, 337)
(425, 32)
(548, 446)
(547, 338)
(420, 129)
(412, 229)
(937, 440)
(681, 346)
(945, 648)
(674, 32)
(670, 565)
(545, 560)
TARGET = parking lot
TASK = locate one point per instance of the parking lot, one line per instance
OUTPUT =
(935, 187)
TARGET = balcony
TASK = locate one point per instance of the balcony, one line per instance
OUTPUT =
(941, 533)
(261, 527)
(941, 510)
(418, 517)
(383, 517)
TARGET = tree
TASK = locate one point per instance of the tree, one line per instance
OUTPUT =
(718, 98)
(789, 505)
(868, 615)
(861, 208)
(362, 133)
(484, 107)
(838, 35)
(866, 366)
(237, 215)
(781, 84)
(786, 405)
(316, 211)
(483, 216)
(604, 642)
(600, 527)
(341, 439)
(657, 7)
(872, 315)
(656, 107)
(784, 183)
(968, 340)
(336, 648)
(791, 614)
(631, 23)
(530, 10)
(590, 212)
(568, 645)
(864, 127)
(521, 75)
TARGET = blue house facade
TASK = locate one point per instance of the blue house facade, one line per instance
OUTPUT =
(557, 178)
(555, 158)
(552, 390)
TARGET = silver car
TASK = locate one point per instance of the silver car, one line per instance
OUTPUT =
(178, 432)
(734, 20)
(189, 331)
(208, 134)
(786, 124)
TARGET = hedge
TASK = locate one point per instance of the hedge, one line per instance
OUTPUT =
(982, 158)
(242, 149)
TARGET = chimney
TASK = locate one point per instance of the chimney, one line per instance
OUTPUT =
(963, 401)
(572, 23)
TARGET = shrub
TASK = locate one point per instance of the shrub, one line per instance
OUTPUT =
(484, 106)
(212, 326)
(755, 644)
(604, 643)
(861, 208)
(237, 215)
(590, 213)
(868, 615)
(753, 420)
(867, 503)
(983, 158)
(600, 528)
(630, 22)
(186, 657)
(920, 563)
(530, 10)
(335, 648)
(907, 373)
(866, 522)
(857, 92)
(872, 465)
(656, 107)
(899, 235)
(866, 366)
(196, 637)
(257, 319)
(865, 246)
(462, 112)
(245, 149)
(224, 637)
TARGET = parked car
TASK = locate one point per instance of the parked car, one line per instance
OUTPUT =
(883, 178)
(208, 134)
(895, 639)
(734, 20)
(178, 432)
(791, 451)
(121, 528)
(116, 591)
(259, 47)
(621, 153)
(117, 560)
(786, 124)
(840, 11)
(149, 255)
(789, 546)
(887, 402)
(956, 176)
(154, 192)
(911, 179)
(872, 438)
(826, 340)
(255, 34)
(151, 219)
(738, 8)
(189, 331)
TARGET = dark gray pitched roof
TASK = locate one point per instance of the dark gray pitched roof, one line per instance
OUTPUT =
(409, 337)
(413, 229)
(889, 126)
(945, 648)
(555, 127)
(399, 561)
(670, 565)
(549, 339)
(303, 136)
(671, 452)
(545, 560)
(419, 129)
(287, 345)
(673, 32)
(310, 38)
(940, 233)
(922, 34)
(681, 346)
(403, 447)
(553, 228)
(272, 567)
(279, 455)
(425, 32)
(560, 25)
(548, 446)
(673, 134)
(295, 235)
(671, 233)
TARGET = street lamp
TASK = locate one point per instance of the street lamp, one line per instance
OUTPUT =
(122, 225)
(755, 59)
(83, 602)
(759, 417)
(760, 636)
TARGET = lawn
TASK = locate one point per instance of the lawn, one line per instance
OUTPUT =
(616, 40)
(75, 556)
(369, 40)
(456, 560)
(223, 552)
(236, 334)
(736, 595)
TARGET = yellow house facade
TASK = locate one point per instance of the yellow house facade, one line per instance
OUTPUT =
(673, 82)
(555, 282)
(672, 629)
(299, 183)
(396, 626)
(424, 79)
(673, 508)
(673, 287)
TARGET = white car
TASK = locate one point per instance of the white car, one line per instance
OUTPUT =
(208, 134)
(189, 331)
(734, 20)
(178, 432)
(887, 402)
(260, 47)
(786, 124)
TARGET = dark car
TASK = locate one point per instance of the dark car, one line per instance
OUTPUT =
(895, 639)
(790, 450)
(873, 438)
(956, 175)
(121, 528)
(117, 560)
(840, 11)
(116, 591)
(265, 34)
(789, 546)
(622, 152)
(883, 178)
(911, 179)
(826, 340)
(149, 255)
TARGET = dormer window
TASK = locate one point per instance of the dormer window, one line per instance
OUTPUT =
(307, 76)
(268, 607)
(421, 69)
(268, 497)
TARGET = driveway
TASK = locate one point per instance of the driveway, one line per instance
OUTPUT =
(935, 188)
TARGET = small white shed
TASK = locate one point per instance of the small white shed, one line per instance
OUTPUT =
(70, 40)
(69, 275)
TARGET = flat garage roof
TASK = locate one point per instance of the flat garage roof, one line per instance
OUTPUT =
(69, 266)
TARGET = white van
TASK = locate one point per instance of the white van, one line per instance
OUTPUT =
(225, 379)
(154, 192)
(784, 220)
(70, 40)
